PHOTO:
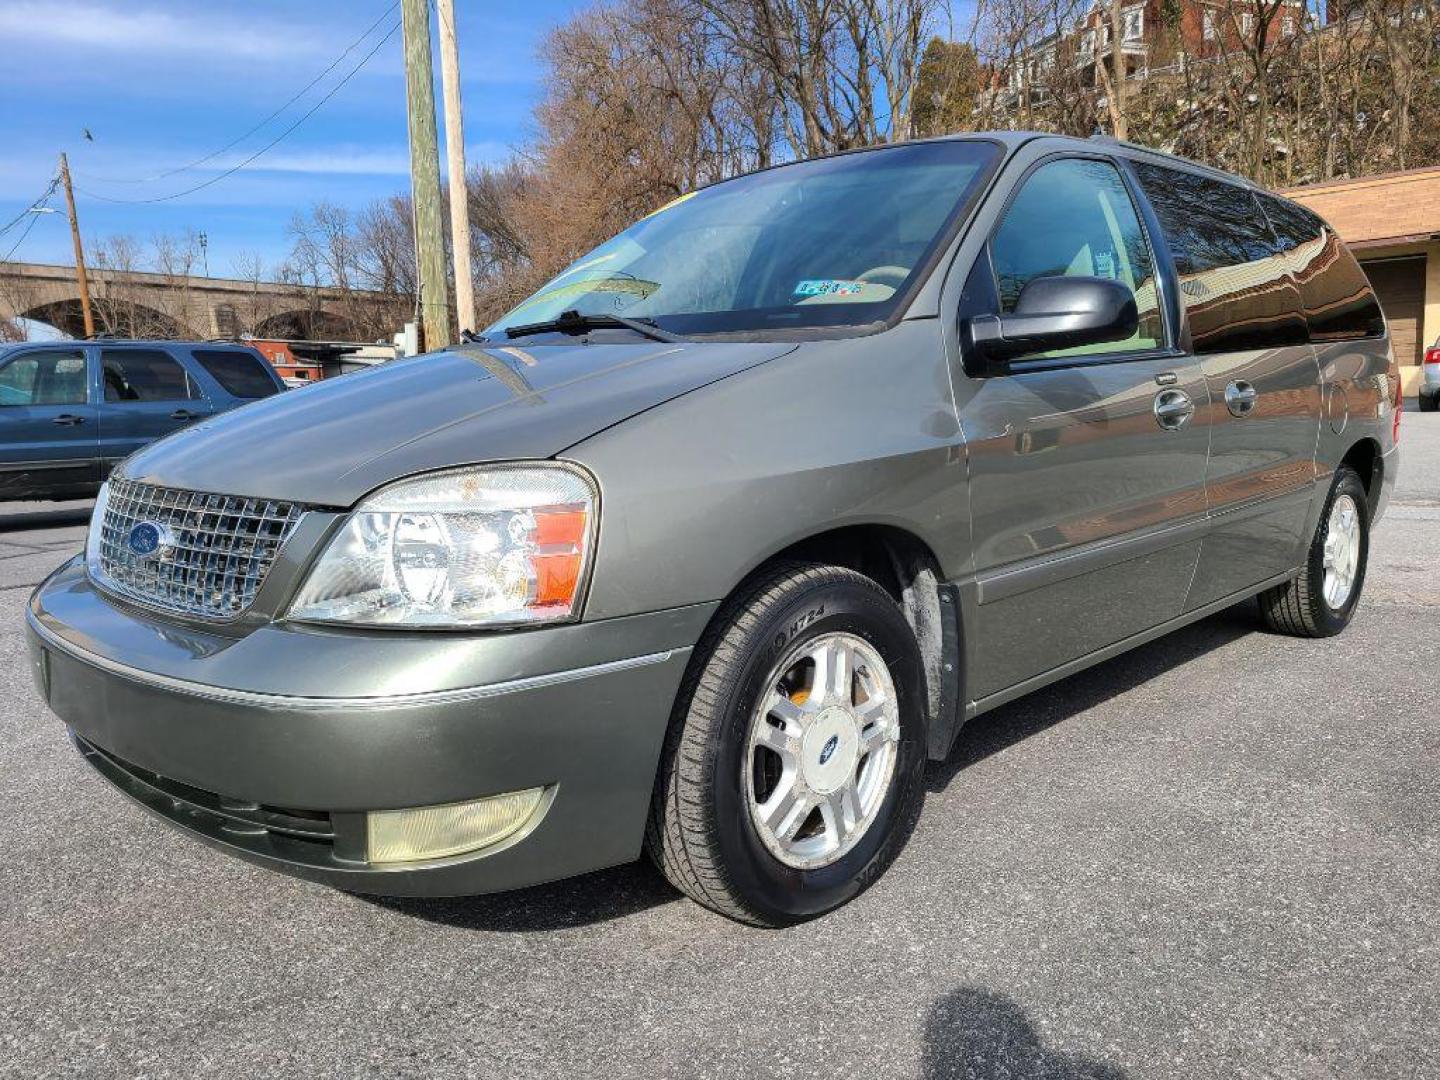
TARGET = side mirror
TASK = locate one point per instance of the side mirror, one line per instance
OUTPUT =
(1055, 313)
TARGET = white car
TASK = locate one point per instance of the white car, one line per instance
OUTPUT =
(1430, 379)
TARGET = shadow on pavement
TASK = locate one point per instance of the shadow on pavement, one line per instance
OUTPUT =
(1033, 713)
(627, 890)
(560, 905)
(15, 520)
(979, 1035)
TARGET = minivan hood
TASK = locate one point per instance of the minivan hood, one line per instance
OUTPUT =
(331, 443)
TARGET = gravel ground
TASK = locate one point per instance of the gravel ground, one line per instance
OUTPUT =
(1213, 857)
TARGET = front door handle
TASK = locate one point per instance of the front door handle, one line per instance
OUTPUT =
(184, 414)
(1240, 397)
(1173, 409)
(68, 420)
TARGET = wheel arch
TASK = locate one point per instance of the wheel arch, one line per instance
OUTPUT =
(906, 567)
(1366, 458)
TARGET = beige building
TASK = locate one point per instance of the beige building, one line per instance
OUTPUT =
(1392, 223)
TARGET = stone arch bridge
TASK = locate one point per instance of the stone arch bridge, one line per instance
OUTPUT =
(134, 303)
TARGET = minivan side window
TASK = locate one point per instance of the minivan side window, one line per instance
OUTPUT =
(242, 374)
(1236, 286)
(145, 375)
(1338, 300)
(53, 377)
(1074, 218)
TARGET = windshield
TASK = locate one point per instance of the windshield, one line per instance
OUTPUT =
(830, 242)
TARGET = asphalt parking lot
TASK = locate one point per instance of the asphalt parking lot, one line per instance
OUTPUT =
(1217, 856)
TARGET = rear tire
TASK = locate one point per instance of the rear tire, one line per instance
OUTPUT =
(779, 799)
(1321, 601)
(1428, 402)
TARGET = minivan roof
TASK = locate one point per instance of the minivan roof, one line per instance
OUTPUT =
(1013, 140)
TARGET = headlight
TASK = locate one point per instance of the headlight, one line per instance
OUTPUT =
(97, 522)
(467, 547)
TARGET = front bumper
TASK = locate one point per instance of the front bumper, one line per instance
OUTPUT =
(238, 741)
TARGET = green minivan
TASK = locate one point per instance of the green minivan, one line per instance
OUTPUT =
(710, 545)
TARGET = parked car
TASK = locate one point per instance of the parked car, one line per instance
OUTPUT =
(69, 410)
(709, 545)
(1430, 379)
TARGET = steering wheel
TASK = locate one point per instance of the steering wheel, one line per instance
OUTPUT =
(893, 276)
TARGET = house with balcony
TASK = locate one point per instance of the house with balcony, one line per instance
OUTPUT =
(1150, 38)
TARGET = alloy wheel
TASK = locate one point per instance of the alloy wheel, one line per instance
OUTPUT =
(1342, 552)
(821, 750)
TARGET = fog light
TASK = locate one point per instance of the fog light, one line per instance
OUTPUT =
(433, 832)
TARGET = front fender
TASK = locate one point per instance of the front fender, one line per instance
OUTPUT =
(699, 491)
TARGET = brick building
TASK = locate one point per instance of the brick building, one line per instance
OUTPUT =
(284, 360)
(1203, 30)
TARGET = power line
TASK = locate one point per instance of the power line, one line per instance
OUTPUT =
(264, 149)
(25, 231)
(241, 138)
(44, 197)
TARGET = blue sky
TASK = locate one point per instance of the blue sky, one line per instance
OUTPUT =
(162, 84)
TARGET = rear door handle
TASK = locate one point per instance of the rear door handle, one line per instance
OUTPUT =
(184, 414)
(1173, 409)
(68, 420)
(1240, 397)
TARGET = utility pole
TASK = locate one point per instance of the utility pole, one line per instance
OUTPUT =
(425, 174)
(80, 279)
(455, 158)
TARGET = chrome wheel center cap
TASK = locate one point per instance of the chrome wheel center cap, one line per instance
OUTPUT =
(829, 750)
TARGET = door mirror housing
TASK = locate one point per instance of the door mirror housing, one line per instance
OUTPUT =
(1054, 313)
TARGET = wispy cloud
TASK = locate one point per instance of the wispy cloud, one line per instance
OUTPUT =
(357, 160)
(361, 160)
(154, 30)
(159, 83)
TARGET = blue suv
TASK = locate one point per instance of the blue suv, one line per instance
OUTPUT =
(70, 410)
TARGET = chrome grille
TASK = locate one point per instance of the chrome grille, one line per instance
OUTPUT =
(219, 547)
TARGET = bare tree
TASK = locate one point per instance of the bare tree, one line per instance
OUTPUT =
(1261, 87)
(121, 305)
(176, 259)
(648, 99)
(259, 304)
(828, 62)
(353, 262)
(1113, 75)
(20, 296)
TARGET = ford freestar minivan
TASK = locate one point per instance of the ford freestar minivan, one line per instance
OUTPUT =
(708, 546)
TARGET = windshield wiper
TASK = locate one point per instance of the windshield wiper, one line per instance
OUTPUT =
(572, 322)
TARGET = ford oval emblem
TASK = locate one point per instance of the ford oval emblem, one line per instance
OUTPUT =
(150, 540)
(828, 750)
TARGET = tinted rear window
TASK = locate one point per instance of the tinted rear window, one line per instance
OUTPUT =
(1237, 286)
(145, 375)
(242, 374)
(1337, 297)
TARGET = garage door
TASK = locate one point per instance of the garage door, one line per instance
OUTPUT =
(1400, 286)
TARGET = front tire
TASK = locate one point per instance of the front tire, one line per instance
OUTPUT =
(793, 770)
(1321, 601)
